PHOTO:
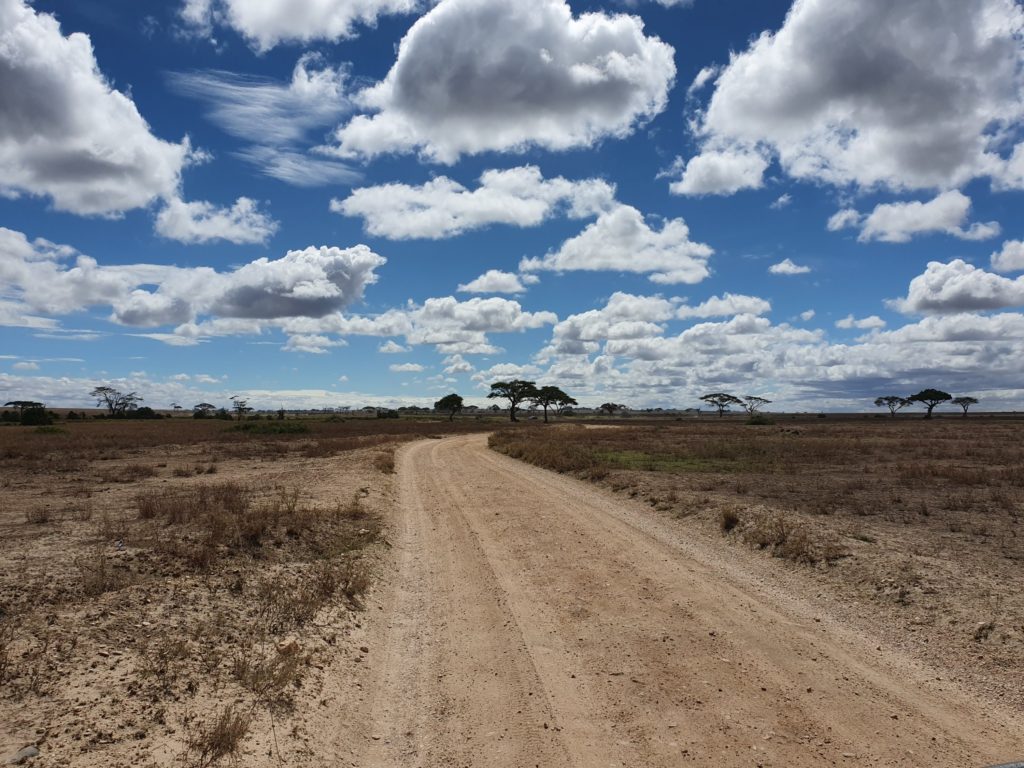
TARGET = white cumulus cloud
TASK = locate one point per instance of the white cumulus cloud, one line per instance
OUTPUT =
(203, 222)
(65, 133)
(443, 208)
(267, 23)
(496, 281)
(959, 287)
(873, 322)
(1010, 258)
(875, 93)
(490, 75)
(620, 240)
(947, 213)
(788, 267)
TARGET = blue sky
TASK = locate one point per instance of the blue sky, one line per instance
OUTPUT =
(351, 202)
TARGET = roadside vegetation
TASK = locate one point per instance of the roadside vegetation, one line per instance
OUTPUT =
(172, 591)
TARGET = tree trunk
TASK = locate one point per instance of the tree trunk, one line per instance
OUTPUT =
(546, 414)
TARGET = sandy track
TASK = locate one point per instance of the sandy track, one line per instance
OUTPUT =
(538, 621)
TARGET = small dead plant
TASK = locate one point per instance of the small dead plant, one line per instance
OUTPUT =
(219, 738)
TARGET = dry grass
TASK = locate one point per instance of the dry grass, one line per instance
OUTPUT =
(208, 743)
(174, 593)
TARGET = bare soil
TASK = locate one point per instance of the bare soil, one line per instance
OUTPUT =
(187, 593)
(538, 620)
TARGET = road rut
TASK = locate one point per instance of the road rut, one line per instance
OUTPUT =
(535, 620)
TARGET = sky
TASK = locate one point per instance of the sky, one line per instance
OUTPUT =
(325, 203)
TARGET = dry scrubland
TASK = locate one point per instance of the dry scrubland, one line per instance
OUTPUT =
(913, 529)
(180, 592)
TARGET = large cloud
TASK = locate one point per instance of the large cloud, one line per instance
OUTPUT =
(452, 326)
(648, 362)
(444, 208)
(65, 133)
(899, 222)
(959, 287)
(41, 278)
(905, 95)
(620, 240)
(267, 23)
(479, 75)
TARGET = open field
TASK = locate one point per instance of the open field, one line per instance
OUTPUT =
(179, 591)
(912, 528)
(314, 592)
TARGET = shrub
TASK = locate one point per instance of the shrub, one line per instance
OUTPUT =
(728, 519)
(220, 738)
(35, 417)
(760, 420)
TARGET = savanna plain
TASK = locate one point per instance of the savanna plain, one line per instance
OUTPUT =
(414, 591)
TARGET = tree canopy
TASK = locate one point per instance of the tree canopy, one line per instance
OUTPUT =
(450, 404)
(117, 403)
(752, 403)
(893, 403)
(965, 402)
(930, 398)
(516, 392)
(552, 397)
(721, 401)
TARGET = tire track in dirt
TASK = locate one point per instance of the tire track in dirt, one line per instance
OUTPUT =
(524, 599)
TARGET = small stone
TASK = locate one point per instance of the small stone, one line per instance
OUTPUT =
(22, 755)
(364, 649)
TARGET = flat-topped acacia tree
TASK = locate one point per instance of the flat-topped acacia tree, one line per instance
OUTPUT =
(965, 402)
(721, 401)
(516, 392)
(552, 397)
(450, 404)
(930, 398)
(893, 403)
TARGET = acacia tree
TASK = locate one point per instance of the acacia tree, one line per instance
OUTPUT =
(240, 406)
(753, 403)
(930, 398)
(893, 403)
(721, 401)
(516, 391)
(203, 410)
(965, 403)
(451, 403)
(552, 397)
(611, 408)
(117, 403)
(21, 405)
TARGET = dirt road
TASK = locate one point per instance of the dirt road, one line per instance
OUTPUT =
(538, 621)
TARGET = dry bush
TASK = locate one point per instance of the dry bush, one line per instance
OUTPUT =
(385, 461)
(728, 519)
(221, 737)
(97, 574)
(37, 515)
(269, 675)
(161, 658)
(790, 537)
